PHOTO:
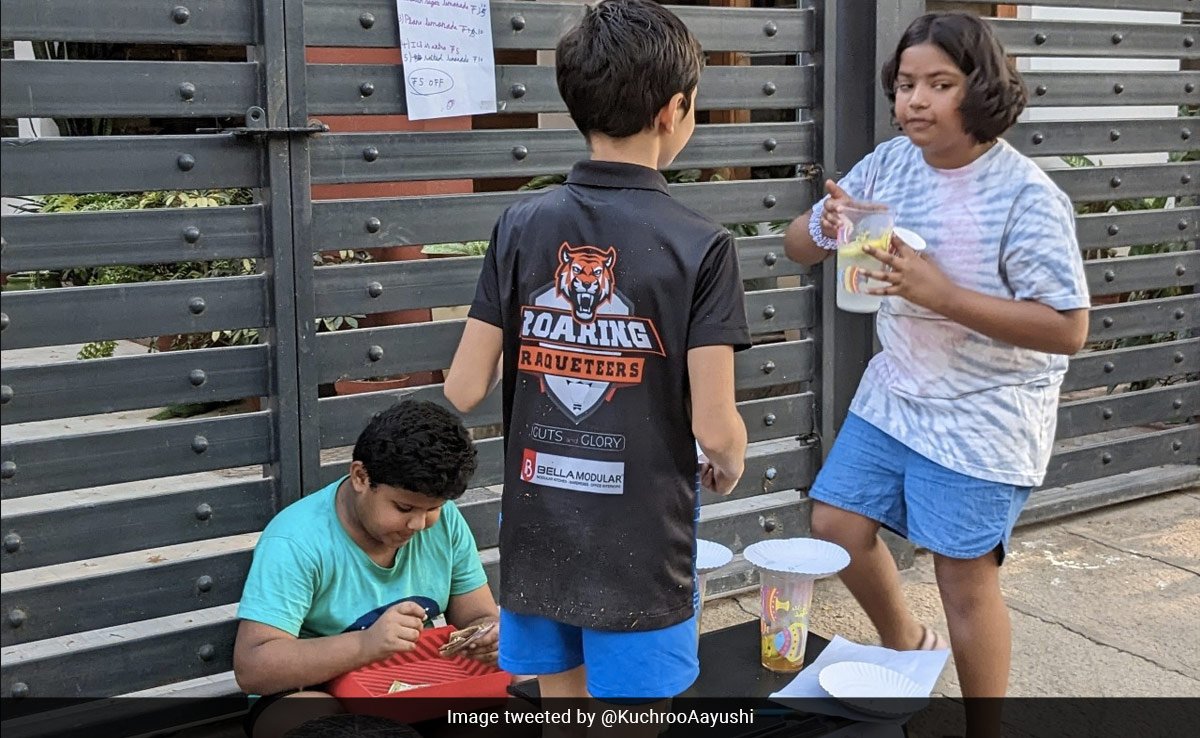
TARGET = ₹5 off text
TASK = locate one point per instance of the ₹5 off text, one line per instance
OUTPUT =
(604, 718)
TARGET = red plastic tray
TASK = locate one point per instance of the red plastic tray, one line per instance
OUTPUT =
(453, 677)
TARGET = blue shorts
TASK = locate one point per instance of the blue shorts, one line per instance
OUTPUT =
(621, 665)
(870, 473)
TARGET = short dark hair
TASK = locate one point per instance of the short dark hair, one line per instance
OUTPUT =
(624, 61)
(995, 93)
(418, 446)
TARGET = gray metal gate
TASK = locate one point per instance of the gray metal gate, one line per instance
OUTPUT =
(125, 548)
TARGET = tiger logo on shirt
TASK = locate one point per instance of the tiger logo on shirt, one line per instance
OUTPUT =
(585, 278)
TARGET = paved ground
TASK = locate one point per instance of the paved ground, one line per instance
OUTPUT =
(1104, 604)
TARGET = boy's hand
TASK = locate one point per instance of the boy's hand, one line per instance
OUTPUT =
(912, 276)
(396, 631)
(831, 217)
(485, 649)
(717, 480)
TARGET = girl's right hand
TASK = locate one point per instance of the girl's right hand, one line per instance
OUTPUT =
(832, 215)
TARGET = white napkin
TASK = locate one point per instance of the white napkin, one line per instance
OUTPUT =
(923, 667)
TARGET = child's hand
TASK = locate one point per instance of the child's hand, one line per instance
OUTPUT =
(396, 631)
(715, 479)
(485, 649)
(912, 276)
(831, 217)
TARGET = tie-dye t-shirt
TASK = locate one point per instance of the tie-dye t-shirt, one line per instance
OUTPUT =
(998, 226)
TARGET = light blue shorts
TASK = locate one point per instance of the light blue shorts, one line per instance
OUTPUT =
(629, 665)
(870, 473)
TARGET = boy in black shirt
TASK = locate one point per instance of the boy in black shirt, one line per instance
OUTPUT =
(617, 311)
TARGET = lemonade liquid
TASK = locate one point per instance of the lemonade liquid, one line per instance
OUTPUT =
(852, 265)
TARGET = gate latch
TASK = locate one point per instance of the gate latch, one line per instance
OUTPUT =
(256, 126)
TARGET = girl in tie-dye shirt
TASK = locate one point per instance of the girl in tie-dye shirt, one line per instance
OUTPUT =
(954, 420)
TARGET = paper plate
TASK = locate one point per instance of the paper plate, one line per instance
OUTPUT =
(871, 688)
(807, 556)
(711, 555)
(911, 238)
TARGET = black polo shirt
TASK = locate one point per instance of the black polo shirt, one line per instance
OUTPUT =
(601, 286)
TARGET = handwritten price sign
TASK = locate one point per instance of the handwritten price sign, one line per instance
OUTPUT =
(449, 67)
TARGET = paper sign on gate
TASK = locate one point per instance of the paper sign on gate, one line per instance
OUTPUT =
(449, 68)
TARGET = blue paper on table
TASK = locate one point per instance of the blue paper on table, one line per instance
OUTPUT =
(923, 667)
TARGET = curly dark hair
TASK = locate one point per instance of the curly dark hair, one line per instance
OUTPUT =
(624, 61)
(995, 93)
(418, 446)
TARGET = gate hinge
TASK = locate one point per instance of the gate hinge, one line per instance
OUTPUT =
(256, 126)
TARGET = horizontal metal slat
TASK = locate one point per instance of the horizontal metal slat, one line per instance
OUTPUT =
(1181, 6)
(1145, 317)
(1175, 446)
(1173, 403)
(739, 523)
(374, 223)
(52, 317)
(1132, 364)
(1112, 88)
(771, 364)
(160, 236)
(390, 157)
(1052, 138)
(763, 257)
(92, 386)
(100, 601)
(126, 89)
(135, 658)
(1115, 276)
(86, 460)
(132, 21)
(782, 309)
(520, 25)
(62, 532)
(1111, 230)
(378, 89)
(40, 166)
(1066, 38)
(1116, 183)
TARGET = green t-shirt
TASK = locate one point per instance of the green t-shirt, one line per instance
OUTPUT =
(309, 579)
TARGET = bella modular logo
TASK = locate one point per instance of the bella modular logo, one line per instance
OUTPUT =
(579, 475)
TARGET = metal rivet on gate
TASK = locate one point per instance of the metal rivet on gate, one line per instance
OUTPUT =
(1106, 413)
(199, 444)
(6, 394)
(1118, 38)
(769, 419)
(770, 144)
(370, 153)
(187, 91)
(1179, 313)
(1115, 182)
(1185, 179)
(375, 353)
(3, 321)
(366, 20)
(1039, 38)
(770, 29)
(1189, 41)
(1180, 270)
(769, 312)
(768, 367)
(204, 511)
(769, 89)
(769, 525)
(1040, 90)
(1114, 135)
(519, 153)
(1185, 133)
(1108, 322)
(1108, 367)
(206, 652)
(1109, 275)
(1106, 458)
(770, 258)
(19, 690)
(373, 225)
(1037, 138)
(8, 470)
(770, 473)
(374, 289)
(204, 583)
(366, 89)
(1182, 224)
(517, 22)
(185, 162)
(769, 201)
(12, 543)
(180, 14)
(191, 234)
(517, 90)
(1114, 229)
(1177, 403)
(1176, 445)
(1178, 357)
(197, 377)
(16, 617)
(1189, 87)
(196, 305)
(1118, 88)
